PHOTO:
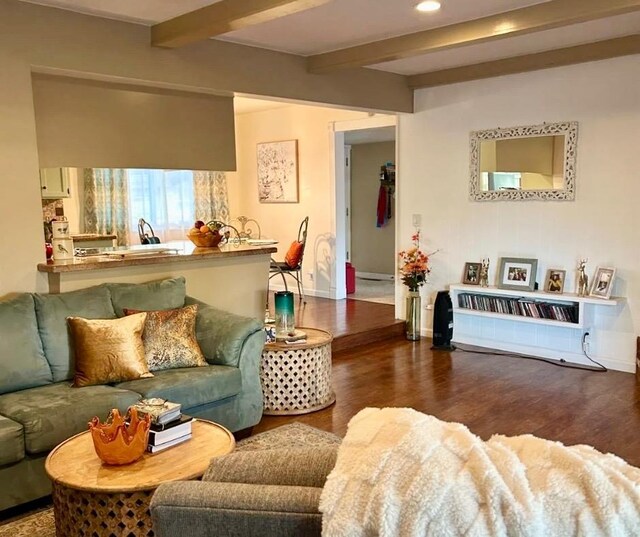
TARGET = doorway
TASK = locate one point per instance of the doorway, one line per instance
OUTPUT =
(367, 152)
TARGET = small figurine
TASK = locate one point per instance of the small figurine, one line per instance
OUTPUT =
(583, 279)
(484, 273)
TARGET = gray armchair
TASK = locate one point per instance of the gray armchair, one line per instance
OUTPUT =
(248, 493)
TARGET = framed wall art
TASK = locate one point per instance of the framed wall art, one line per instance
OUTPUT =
(517, 273)
(278, 172)
(554, 282)
(602, 282)
(471, 275)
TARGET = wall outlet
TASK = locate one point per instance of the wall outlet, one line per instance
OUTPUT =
(586, 341)
(310, 275)
(416, 220)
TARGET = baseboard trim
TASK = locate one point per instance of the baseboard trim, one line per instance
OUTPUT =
(294, 288)
(540, 352)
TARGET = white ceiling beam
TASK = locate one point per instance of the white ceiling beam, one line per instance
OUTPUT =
(600, 50)
(223, 17)
(535, 18)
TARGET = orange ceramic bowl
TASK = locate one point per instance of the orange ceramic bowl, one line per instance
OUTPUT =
(119, 440)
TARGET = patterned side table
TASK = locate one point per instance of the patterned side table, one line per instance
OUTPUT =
(296, 377)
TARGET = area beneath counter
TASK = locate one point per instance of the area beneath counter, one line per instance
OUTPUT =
(232, 277)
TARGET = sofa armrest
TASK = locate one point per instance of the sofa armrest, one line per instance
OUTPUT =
(302, 467)
(220, 334)
(199, 509)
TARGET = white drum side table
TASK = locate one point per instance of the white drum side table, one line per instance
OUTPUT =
(296, 377)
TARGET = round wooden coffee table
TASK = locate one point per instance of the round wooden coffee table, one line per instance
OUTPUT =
(296, 377)
(91, 498)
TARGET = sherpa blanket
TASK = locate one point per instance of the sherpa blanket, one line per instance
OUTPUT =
(400, 473)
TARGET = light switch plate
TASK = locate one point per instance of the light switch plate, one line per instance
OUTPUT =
(416, 220)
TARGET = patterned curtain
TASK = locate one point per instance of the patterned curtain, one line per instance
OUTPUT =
(106, 203)
(210, 196)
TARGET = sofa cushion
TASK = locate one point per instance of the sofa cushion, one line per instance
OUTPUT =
(108, 350)
(158, 295)
(53, 413)
(170, 338)
(11, 441)
(22, 361)
(222, 335)
(191, 386)
(52, 312)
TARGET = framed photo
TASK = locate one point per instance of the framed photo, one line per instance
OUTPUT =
(278, 172)
(471, 275)
(554, 282)
(602, 282)
(517, 273)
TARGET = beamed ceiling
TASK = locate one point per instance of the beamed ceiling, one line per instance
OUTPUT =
(464, 40)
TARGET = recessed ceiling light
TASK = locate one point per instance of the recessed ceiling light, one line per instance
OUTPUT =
(428, 6)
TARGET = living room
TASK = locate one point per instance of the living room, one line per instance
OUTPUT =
(433, 158)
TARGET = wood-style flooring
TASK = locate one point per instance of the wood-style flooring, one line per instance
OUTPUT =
(352, 322)
(490, 394)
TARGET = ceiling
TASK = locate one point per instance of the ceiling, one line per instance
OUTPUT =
(338, 24)
(369, 136)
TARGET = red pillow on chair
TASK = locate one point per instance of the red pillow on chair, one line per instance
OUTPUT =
(294, 255)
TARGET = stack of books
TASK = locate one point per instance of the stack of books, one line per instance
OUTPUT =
(169, 427)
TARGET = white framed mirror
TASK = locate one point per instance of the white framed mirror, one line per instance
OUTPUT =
(534, 162)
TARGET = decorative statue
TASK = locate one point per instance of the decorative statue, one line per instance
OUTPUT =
(583, 279)
(484, 273)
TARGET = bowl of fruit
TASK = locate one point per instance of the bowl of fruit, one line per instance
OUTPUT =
(205, 235)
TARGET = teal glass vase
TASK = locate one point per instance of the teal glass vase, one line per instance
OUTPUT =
(285, 319)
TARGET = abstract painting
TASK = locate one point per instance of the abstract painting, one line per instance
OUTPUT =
(278, 172)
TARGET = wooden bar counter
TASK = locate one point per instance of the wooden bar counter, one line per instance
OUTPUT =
(232, 277)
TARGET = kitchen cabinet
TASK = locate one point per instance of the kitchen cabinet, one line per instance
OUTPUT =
(54, 183)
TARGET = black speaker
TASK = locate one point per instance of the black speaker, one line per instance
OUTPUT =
(443, 322)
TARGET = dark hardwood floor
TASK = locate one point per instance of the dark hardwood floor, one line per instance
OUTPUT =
(352, 322)
(489, 394)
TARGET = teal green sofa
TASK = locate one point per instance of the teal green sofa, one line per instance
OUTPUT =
(39, 407)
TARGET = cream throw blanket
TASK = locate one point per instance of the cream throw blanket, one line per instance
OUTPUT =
(402, 473)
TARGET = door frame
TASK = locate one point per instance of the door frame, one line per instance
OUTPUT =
(337, 151)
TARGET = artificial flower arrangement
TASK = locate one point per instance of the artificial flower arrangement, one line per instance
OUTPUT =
(414, 264)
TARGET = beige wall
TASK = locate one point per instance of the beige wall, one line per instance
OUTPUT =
(372, 248)
(55, 41)
(601, 224)
(91, 124)
(311, 127)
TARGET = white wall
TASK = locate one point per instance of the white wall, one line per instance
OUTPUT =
(311, 126)
(602, 224)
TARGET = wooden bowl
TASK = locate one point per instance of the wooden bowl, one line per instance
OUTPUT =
(205, 240)
(120, 441)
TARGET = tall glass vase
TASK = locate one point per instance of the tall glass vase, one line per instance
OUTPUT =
(412, 329)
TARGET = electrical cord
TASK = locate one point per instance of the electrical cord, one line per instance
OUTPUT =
(602, 368)
(559, 363)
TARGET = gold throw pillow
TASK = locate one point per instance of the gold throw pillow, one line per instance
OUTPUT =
(170, 338)
(108, 350)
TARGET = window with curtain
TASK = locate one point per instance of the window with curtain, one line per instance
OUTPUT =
(169, 200)
(165, 199)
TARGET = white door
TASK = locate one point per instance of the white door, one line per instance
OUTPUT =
(347, 198)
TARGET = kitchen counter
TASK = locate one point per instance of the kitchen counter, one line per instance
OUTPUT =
(176, 252)
(232, 277)
(90, 237)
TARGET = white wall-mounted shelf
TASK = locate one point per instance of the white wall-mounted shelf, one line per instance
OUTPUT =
(536, 296)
